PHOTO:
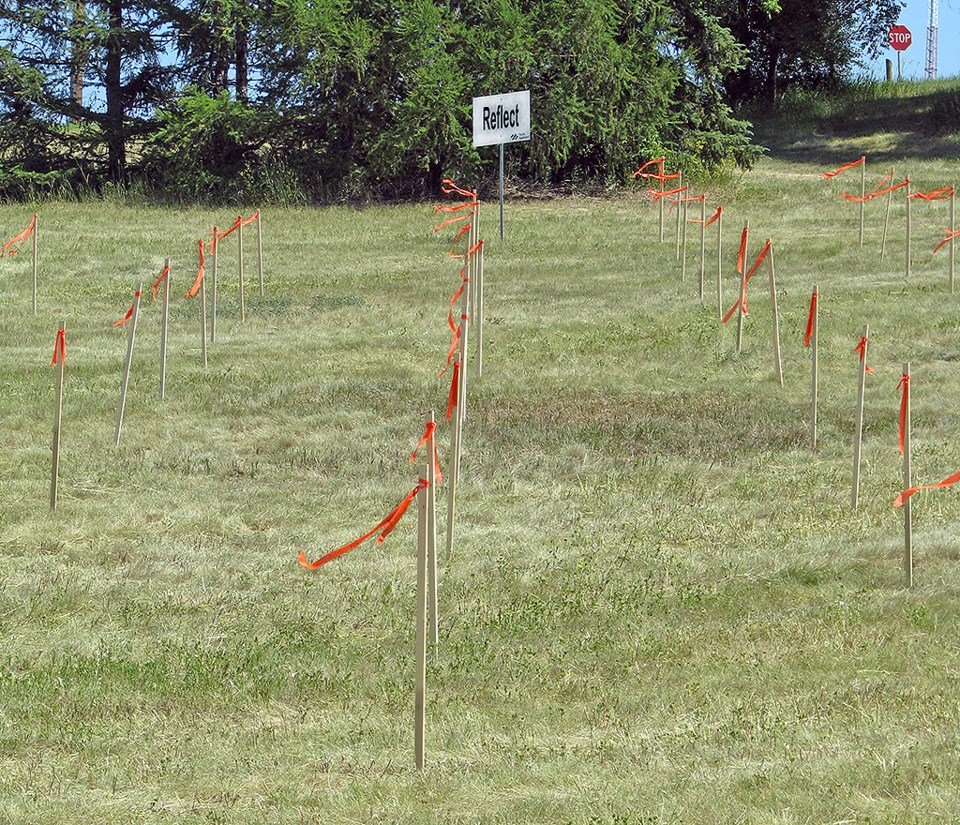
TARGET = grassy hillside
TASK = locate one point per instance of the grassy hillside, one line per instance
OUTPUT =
(660, 608)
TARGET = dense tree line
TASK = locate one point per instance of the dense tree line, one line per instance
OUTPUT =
(322, 99)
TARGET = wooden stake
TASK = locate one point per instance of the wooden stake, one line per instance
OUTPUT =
(203, 319)
(907, 262)
(678, 205)
(743, 289)
(36, 230)
(777, 364)
(814, 371)
(213, 287)
(907, 482)
(464, 352)
(886, 220)
(953, 228)
(131, 335)
(863, 194)
(57, 415)
(452, 473)
(474, 236)
(420, 686)
(479, 288)
(720, 266)
(240, 253)
(432, 533)
(858, 431)
(163, 329)
(703, 243)
(660, 201)
(683, 242)
(260, 250)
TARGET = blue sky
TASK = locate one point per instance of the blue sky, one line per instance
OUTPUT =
(913, 60)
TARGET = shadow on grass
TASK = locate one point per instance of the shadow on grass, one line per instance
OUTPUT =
(889, 122)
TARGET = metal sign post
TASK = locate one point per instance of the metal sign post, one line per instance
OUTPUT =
(500, 119)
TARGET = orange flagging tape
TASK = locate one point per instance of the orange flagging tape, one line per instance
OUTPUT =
(385, 527)
(251, 219)
(460, 206)
(742, 300)
(949, 481)
(951, 235)
(450, 188)
(431, 429)
(743, 250)
(936, 195)
(123, 321)
(905, 394)
(665, 194)
(60, 348)
(813, 311)
(862, 349)
(456, 219)
(454, 393)
(876, 193)
(233, 228)
(20, 239)
(712, 219)
(844, 168)
(196, 284)
(156, 283)
(655, 162)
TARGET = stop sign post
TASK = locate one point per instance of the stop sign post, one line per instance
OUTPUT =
(899, 38)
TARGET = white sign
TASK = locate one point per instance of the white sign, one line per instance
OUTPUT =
(501, 118)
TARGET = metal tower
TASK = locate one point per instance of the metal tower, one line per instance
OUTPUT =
(932, 25)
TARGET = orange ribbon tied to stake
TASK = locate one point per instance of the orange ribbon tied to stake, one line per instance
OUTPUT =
(936, 195)
(428, 434)
(18, 240)
(59, 348)
(813, 311)
(156, 283)
(123, 321)
(876, 193)
(196, 284)
(450, 188)
(862, 349)
(657, 194)
(905, 394)
(385, 527)
(844, 168)
(952, 234)
(742, 300)
(454, 389)
(251, 219)
(949, 481)
(712, 219)
(658, 162)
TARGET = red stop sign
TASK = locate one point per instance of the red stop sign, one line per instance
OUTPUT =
(899, 37)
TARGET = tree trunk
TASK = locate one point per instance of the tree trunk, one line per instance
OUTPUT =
(78, 53)
(243, 95)
(116, 149)
(773, 57)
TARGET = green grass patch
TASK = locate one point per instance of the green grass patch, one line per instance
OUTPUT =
(659, 609)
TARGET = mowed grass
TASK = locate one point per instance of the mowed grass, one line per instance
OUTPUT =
(659, 607)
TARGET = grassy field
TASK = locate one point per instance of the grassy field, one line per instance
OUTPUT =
(660, 608)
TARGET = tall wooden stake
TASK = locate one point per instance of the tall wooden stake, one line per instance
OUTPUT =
(907, 482)
(703, 243)
(660, 201)
(907, 257)
(57, 415)
(36, 231)
(420, 686)
(886, 220)
(475, 261)
(858, 431)
(456, 419)
(683, 242)
(863, 194)
(260, 249)
(815, 369)
(953, 228)
(720, 266)
(480, 313)
(163, 329)
(131, 335)
(777, 364)
(464, 352)
(678, 205)
(432, 534)
(743, 290)
(213, 287)
(240, 252)
(203, 319)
